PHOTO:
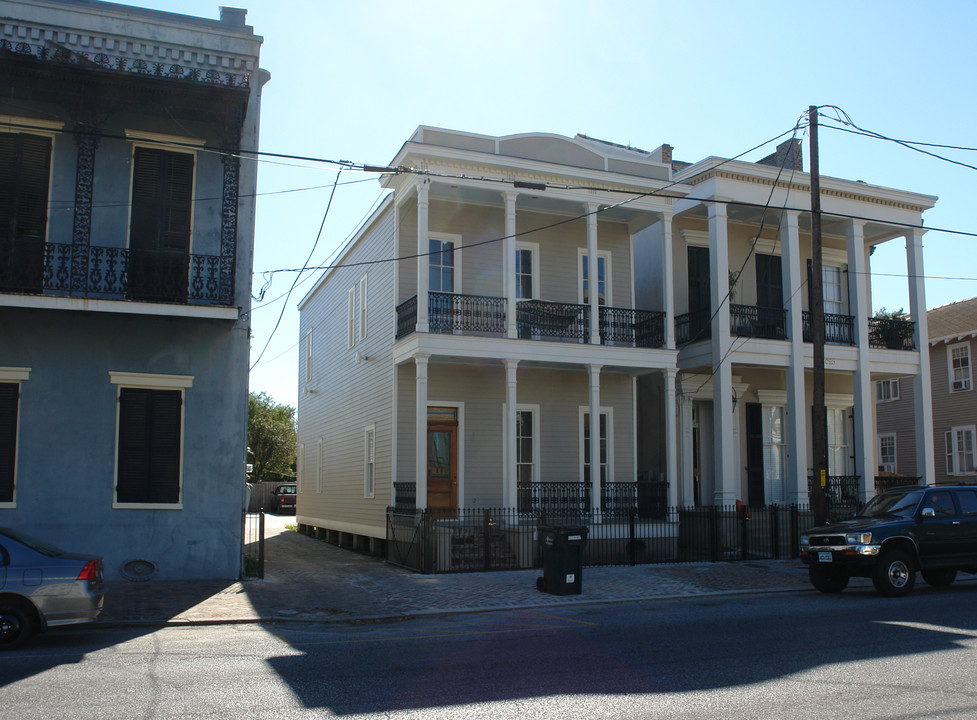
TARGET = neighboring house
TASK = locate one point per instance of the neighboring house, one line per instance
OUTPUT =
(532, 319)
(952, 329)
(126, 237)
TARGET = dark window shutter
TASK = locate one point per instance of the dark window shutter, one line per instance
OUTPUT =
(149, 446)
(9, 395)
(25, 164)
(162, 198)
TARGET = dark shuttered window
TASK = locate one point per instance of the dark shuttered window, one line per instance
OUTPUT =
(9, 395)
(150, 423)
(25, 164)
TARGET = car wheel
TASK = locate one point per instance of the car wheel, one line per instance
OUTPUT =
(939, 577)
(828, 580)
(894, 575)
(15, 626)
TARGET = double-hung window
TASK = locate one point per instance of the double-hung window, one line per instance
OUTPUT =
(149, 440)
(887, 390)
(441, 265)
(605, 459)
(25, 168)
(887, 452)
(527, 280)
(958, 359)
(601, 279)
(960, 443)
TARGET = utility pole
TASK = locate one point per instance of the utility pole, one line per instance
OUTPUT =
(818, 416)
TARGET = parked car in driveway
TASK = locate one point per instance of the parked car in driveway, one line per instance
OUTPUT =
(930, 529)
(283, 497)
(42, 586)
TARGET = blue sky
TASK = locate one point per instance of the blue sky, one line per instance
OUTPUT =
(352, 80)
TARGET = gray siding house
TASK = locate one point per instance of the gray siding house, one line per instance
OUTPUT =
(126, 236)
(952, 333)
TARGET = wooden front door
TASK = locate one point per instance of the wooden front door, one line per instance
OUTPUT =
(442, 458)
(754, 455)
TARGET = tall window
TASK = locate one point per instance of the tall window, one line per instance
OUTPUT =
(9, 400)
(839, 454)
(150, 444)
(960, 444)
(831, 285)
(886, 390)
(25, 162)
(774, 451)
(442, 265)
(958, 357)
(526, 278)
(369, 461)
(887, 452)
(604, 448)
(601, 281)
(159, 228)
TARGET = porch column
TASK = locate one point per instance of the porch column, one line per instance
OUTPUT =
(796, 475)
(591, 209)
(727, 484)
(510, 486)
(866, 464)
(671, 439)
(423, 258)
(686, 496)
(668, 282)
(594, 371)
(922, 393)
(420, 469)
(509, 263)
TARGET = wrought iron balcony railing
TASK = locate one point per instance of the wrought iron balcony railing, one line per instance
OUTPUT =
(891, 333)
(692, 327)
(452, 312)
(758, 322)
(32, 267)
(545, 320)
(838, 329)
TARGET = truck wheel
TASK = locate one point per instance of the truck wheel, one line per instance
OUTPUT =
(939, 577)
(828, 580)
(894, 575)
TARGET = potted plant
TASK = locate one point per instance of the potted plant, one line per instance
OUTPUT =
(892, 328)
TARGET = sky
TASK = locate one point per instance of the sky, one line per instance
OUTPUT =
(353, 80)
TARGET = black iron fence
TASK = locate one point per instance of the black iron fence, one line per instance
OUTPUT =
(453, 312)
(471, 540)
(253, 545)
(758, 322)
(887, 482)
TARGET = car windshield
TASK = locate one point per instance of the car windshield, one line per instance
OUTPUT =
(33, 543)
(901, 504)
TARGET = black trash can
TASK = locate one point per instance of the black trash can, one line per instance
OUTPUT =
(561, 548)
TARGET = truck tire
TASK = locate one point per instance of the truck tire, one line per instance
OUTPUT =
(827, 580)
(939, 577)
(894, 574)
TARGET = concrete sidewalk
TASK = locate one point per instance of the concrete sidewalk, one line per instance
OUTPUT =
(309, 580)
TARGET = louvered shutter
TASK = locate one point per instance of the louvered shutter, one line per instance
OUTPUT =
(9, 394)
(149, 446)
(162, 195)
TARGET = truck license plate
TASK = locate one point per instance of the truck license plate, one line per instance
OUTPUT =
(824, 557)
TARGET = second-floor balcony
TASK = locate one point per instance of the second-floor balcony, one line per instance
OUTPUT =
(838, 329)
(744, 321)
(455, 313)
(59, 269)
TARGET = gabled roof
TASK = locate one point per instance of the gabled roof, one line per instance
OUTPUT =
(952, 322)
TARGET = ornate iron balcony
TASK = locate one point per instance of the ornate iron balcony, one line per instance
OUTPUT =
(758, 322)
(28, 266)
(891, 333)
(838, 329)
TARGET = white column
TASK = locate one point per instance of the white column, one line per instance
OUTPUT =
(595, 436)
(922, 390)
(510, 490)
(671, 439)
(423, 260)
(686, 497)
(866, 463)
(727, 478)
(420, 468)
(509, 263)
(668, 281)
(797, 413)
(591, 209)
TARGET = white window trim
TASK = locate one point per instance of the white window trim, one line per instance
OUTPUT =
(533, 249)
(892, 385)
(318, 466)
(534, 409)
(15, 375)
(351, 318)
(149, 381)
(456, 255)
(308, 356)
(370, 450)
(158, 142)
(583, 411)
(952, 434)
(894, 464)
(949, 362)
(581, 254)
(363, 308)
